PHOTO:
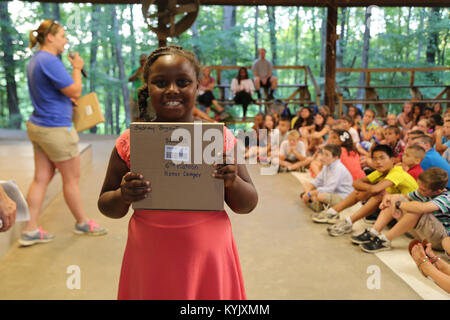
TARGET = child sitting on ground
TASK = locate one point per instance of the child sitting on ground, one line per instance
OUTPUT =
(392, 136)
(386, 178)
(412, 157)
(332, 184)
(283, 127)
(391, 120)
(349, 156)
(292, 153)
(424, 213)
(347, 123)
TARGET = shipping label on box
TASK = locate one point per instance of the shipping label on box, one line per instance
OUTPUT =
(177, 159)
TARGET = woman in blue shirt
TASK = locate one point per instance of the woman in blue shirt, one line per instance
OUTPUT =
(55, 142)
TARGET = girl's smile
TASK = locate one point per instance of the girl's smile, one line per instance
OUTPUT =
(173, 88)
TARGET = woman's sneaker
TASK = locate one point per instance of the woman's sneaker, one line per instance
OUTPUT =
(376, 245)
(39, 236)
(90, 228)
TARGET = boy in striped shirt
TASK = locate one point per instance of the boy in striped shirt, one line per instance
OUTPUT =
(424, 213)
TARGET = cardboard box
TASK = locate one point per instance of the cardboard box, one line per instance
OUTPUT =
(179, 168)
(87, 113)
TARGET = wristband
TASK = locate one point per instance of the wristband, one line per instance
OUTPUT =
(309, 194)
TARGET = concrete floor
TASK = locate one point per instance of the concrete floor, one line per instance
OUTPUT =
(283, 254)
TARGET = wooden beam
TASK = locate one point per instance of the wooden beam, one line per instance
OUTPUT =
(393, 69)
(330, 58)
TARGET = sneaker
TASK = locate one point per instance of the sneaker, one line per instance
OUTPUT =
(282, 169)
(364, 237)
(376, 245)
(39, 236)
(316, 206)
(90, 228)
(339, 229)
(370, 219)
(325, 217)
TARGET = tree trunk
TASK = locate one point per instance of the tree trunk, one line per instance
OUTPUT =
(229, 21)
(365, 52)
(433, 36)
(119, 58)
(272, 33)
(255, 28)
(132, 39)
(297, 36)
(408, 31)
(443, 49)
(196, 41)
(56, 12)
(95, 13)
(46, 10)
(108, 66)
(420, 35)
(340, 44)
(313, 34)
(15, 118)
(323, 41)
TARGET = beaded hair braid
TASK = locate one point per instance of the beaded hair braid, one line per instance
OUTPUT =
(162, 51)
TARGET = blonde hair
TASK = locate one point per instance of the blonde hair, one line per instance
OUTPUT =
(294, 134)
(45, 28)
(417, 151)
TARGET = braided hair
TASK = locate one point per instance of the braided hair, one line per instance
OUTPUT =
(143, 94)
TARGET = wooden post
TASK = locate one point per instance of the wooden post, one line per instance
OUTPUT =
(330, 62)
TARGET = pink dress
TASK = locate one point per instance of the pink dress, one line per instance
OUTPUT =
(352, 162)
(181, 255)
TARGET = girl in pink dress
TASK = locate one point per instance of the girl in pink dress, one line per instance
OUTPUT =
(180, 255)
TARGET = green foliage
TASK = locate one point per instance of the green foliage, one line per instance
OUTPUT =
(397, 34)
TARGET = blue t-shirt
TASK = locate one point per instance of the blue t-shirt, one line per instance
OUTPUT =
(46, 77)
(434, 159)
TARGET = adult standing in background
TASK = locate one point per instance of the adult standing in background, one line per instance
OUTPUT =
(262, 73)
(55, 141)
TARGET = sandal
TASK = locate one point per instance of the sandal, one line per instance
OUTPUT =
(418, 263)
(433, 259)
(412, 244)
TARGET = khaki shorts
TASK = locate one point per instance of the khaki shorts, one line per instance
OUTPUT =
(430, 228)
(332, 199)
(58, 143)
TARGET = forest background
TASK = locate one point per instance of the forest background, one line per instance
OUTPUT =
(110, 39)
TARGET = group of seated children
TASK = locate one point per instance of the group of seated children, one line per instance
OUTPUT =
(395, 170)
